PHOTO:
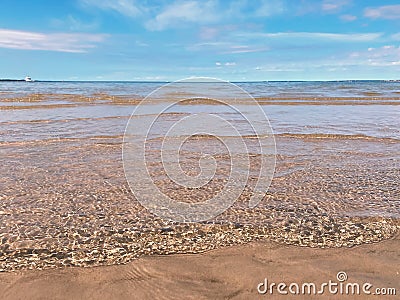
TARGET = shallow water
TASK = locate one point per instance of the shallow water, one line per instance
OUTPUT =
(369, 108)
(63, 186)
(40, 113)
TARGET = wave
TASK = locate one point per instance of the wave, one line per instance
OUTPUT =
(47, 121)
(40, 100)
(329, 101)
(336, 136)
(191, 98)
(62, 139)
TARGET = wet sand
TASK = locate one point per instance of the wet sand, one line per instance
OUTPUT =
(228, 273)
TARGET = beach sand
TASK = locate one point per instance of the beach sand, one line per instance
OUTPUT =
(227, 273)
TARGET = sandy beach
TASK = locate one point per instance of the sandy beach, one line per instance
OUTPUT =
(229, 273)
(71, 228)
(199, 149)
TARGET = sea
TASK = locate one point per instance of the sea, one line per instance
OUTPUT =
(68, 195)
(45, 110)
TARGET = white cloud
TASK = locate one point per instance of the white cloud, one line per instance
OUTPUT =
(141, 44)
(208, 46)
(160, 15)
(268, 8)
(348, 18)
(226, 47)
(280, 68)
(388, 55)
(395, 36)
(383, 12)
(246, 49)
(124, 7)
(179, 12)
(344, 37)
(331, 6)
(227, 64)
(62, 42)
(252, 8)
(208, 33)
(74, 24)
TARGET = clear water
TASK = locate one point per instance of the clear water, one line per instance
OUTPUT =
(85, 109)
(63, 186)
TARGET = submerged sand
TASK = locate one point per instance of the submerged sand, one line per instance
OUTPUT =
(68, 204)
(228, 273)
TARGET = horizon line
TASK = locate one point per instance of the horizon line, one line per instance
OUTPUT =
(170, 81)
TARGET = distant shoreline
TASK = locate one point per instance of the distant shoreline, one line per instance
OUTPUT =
(12, 79)
(257, 81)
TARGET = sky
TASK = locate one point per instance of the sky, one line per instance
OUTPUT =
(238, 40)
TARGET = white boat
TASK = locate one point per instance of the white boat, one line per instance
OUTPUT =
(28, 79)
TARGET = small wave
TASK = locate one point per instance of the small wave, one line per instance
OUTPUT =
(39, 106)
(336, 136)
(44, 121)
(45, 100)
(320, 100)
(61, 140)
(371, 93)
(73, 98)
(325, 98)
(197, 101)
(323, 102)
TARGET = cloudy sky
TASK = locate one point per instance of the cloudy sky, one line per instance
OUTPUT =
(238, 40)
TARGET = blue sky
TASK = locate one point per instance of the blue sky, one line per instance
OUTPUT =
(238, 40)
